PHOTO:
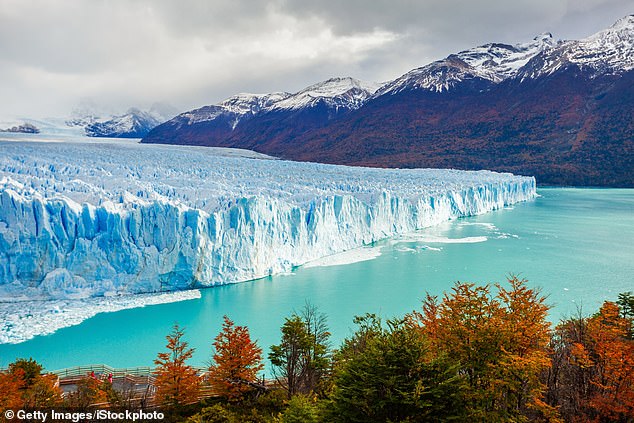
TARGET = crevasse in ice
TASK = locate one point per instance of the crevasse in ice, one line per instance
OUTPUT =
(82, 220)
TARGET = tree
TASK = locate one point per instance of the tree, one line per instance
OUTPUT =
(611, 350)
(176, 383)
(302, 358)
(525, 349)
(626, 305)
(566, 381)
(11, 386)
(217, 413)
(44, 392)
(369, 327)
(289, 358)
(500, 343)
(237, 361)
(300, 409)
(35, 389)
(391, 374)
(319, 352)
(593, 367)
(31, 368)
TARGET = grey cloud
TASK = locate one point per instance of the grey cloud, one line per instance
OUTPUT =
(211, 18)
(124, 53)
(448, 16)
(450, 24)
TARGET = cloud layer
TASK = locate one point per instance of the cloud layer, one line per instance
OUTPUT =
(123, 53)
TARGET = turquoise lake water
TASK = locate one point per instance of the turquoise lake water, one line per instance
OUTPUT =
(577, 245)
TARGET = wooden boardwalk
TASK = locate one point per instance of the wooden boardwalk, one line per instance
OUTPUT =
(137, 384)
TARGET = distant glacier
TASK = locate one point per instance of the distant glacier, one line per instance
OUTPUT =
(81, 220)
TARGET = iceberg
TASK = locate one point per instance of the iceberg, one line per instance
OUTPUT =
(80, 220)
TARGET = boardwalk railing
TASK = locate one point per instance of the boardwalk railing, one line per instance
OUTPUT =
(103, 369)
(140, 388)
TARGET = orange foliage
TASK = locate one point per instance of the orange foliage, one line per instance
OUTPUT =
(11, 386)
(499, 343)
(613, 356)
(176, 382)
(592, 379)
(237, 361)
(17, 391)
(43, 393)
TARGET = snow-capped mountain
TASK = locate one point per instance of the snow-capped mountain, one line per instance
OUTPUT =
(233, 109)
(336, 93)
(560, 110)
(243, 104)
(607, 51)
(492, 62)
(262, 117)
(135, 123)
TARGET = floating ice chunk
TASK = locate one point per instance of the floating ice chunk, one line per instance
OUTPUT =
(434, 239)
(348, 257)
(487, 226)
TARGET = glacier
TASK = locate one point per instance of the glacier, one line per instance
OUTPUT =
(81, 220)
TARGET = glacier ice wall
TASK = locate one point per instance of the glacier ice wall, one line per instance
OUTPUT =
(81, 220)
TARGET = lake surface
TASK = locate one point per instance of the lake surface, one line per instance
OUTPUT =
(577, 245)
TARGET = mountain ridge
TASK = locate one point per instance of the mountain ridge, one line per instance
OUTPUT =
(134, 123)
(554, 109)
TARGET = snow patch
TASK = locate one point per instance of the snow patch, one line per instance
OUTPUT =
(347, 93)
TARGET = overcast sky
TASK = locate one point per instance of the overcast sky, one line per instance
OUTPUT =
(189, 53)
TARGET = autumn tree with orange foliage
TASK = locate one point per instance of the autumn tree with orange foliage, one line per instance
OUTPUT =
(237, 361)
(499, 344)
(11, 386)
(43, 393)
(176, 383)
(25, 386)
(592, 379)
(614, 362)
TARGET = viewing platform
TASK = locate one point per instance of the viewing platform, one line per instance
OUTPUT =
(137, 385)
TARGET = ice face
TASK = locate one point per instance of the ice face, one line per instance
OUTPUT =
(82, 220)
